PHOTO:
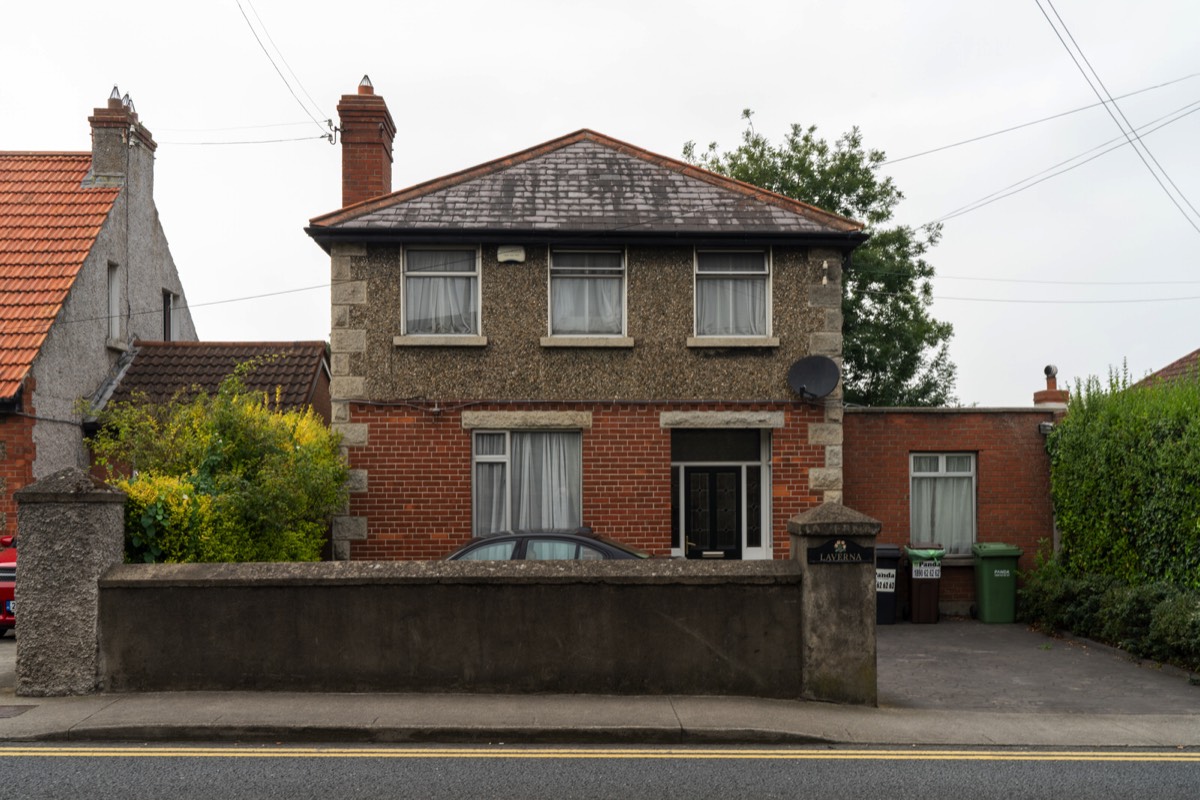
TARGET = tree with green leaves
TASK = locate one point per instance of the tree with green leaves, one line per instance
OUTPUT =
(894, 352)
(231, 476)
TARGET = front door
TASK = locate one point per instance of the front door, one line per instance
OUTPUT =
(713, 512)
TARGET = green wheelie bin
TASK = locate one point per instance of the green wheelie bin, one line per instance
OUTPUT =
(996, 581)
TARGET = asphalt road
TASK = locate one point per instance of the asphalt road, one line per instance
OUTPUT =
(32, 772)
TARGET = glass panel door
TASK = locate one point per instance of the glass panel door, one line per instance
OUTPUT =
(713, 512)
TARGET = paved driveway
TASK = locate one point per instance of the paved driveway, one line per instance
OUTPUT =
(963, 664)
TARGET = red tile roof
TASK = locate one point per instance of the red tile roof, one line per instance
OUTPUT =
(48, 224)
(160, 369)
(1188, 366)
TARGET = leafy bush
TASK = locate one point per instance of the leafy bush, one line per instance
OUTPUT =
(1125, 477)
(227, 477)
(1154, 620)
(1175, 631)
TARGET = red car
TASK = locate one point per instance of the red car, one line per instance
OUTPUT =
(8, 583)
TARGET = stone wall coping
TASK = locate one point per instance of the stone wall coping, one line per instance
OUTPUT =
(349, 573)
(833, 519)
(70, 485)
(1046, 412)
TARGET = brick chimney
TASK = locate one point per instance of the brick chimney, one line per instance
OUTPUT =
(122, 147)
(367, 133)
(1051, 397)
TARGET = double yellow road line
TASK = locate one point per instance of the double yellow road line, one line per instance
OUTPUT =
(597, 753)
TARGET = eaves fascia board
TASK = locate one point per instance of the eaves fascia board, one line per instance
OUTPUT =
(325, 237)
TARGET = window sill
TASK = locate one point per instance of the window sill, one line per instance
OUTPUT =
(958, 560)
(440, 341)
(119, 345)
(587, 341)
(733, 341)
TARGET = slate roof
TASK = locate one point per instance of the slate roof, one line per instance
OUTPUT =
(587, 182)
(48, 224)
(1186, 367)
(160, 369)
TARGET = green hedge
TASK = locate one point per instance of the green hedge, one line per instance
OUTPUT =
(1152, 620)
(1125, 477)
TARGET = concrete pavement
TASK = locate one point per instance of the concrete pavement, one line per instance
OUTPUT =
(954, 683)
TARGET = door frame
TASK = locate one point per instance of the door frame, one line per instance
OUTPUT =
(766, 549)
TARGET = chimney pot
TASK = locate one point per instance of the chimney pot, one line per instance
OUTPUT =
(365, 86)
(1051, 396)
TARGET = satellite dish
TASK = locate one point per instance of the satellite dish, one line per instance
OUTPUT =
(813, 377)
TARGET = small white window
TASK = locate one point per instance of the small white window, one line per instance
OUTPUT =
(587, 293)
(169, 307)
(441, 292)
(732, 293)
(114, 302)
(942, 502)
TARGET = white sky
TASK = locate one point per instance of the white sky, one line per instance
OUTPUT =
(470, 81)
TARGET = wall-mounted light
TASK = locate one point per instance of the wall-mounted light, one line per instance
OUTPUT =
(510, 254)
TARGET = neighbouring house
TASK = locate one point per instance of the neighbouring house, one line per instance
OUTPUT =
(293, 374)
(583, 333)
(955, 476)
(1186, 367)
(84, 270)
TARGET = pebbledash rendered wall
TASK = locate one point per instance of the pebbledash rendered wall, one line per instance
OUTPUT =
(399, 400)
(1012, 496)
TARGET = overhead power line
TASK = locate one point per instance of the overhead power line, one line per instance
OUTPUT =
(1049, 172)
(1031, 123)
(1110, 104)
(279, 72)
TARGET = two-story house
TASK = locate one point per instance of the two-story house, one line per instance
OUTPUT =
(583, 333)
(84, 271)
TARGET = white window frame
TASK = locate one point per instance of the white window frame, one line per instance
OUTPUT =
(766, 551)
(622, 274)
(768, 273)
(505, 458)
(477, 274)
(944, 472)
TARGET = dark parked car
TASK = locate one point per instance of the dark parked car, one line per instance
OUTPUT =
(581, 544)
(8, 583)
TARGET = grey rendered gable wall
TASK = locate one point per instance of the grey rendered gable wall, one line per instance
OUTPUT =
(75, 360)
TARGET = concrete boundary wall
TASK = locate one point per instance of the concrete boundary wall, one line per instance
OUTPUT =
(652, 627)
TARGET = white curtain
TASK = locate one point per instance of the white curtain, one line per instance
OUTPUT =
(585, 305)
(546, 480)
(943, 511)
(490, 495)
(731, 307)
(440, 304)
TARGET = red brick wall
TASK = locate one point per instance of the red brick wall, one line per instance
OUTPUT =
(16, 464)
(1012, 475)
(419, 474)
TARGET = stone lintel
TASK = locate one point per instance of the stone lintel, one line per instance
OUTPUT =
(527, 420)
(721, 419)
